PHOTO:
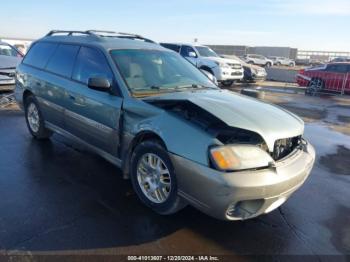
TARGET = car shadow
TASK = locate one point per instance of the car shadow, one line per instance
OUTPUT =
(71, 199)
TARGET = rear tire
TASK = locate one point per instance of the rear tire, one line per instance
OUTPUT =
(153, 178)
(268, 64)
(34, 119)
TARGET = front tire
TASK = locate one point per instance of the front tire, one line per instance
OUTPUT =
(227, 83)
(34, 119)
(153, 178)
(268, 64)
(316, 85)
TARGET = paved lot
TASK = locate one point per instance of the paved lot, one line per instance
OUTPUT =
(56, 197)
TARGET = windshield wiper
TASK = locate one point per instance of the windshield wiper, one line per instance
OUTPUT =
(194, 86)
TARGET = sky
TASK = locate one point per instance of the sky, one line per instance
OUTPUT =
(303, 24)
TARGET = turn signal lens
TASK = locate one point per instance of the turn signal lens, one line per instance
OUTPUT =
(239, 157)
(224, 158)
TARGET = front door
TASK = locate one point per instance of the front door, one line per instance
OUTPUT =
(93, 115)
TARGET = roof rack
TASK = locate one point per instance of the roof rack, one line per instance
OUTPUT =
(100, 33)
(54, 32)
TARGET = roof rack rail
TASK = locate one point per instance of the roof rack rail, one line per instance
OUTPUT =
(101, 33)
(68, 32)
(119, 35)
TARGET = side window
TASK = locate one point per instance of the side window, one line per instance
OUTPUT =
(7, 50)
(91, 63)
(62, 61)
(330, 68)
(337, 68)
(185, 50)
(39, 54)
(341, 68)
(175, 48)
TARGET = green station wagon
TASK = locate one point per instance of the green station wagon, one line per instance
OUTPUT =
(177, 136)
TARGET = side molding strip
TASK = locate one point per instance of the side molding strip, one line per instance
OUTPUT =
(102, 153)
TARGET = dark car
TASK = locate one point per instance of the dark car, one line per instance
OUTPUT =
(10, 57)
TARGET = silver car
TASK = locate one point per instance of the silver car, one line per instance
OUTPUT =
(178, 137)
(10, 57)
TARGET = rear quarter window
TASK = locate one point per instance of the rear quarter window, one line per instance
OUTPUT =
(39, 54)
(62, 61)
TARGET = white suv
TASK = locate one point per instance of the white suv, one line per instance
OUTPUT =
(225, 70)
(258, 60)
(278, 61)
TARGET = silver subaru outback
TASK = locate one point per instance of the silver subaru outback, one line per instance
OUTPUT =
(178, 137)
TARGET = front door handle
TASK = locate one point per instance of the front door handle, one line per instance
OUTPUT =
(71, 97)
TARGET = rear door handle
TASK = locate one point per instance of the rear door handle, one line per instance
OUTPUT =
(71, 97)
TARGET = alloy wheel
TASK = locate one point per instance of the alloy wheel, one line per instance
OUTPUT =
(33, 117)
(153, 177)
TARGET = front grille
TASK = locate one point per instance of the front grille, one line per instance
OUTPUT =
(235, 66)
(283, 147)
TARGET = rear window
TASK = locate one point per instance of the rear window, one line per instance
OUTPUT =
(39, 54)
(62, 61)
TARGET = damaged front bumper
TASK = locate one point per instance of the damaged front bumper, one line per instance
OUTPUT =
(244, 194)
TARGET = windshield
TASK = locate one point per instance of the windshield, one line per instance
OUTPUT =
(153, 71)
(206, 51)
(7, 50)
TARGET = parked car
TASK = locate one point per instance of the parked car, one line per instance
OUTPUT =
(258, 60)
(340, 59)
(278, 61)
(252, 73)
(225, 70)
(10, 57)
(178, 137)
(329, 77)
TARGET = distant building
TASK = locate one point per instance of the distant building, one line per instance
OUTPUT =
(259, 50)
(238, 50)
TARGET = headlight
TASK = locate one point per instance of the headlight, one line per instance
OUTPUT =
(223, 65)
(239, 157)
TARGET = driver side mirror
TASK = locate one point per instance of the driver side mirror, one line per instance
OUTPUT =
(192, 54)
(210, 76)
(99, 83)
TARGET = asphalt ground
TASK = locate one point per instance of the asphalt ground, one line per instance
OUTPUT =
(58, 198)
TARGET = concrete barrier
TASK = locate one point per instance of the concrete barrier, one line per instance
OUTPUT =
(281, 74)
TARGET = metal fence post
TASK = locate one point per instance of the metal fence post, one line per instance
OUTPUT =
(344, 83)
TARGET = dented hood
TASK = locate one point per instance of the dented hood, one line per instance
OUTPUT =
(269, 121)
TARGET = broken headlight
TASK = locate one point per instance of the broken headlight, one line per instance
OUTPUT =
(239, 157)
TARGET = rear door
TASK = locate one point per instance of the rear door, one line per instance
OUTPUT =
(48, 87)
(259, 60)
(92, 115)
(334, 77)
